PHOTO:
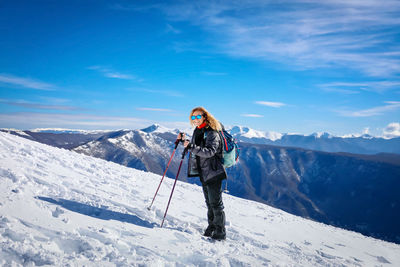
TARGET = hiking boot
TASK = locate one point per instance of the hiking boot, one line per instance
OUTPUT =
(209, 231)
(219, 234)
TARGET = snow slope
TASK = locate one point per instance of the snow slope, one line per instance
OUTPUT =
(61, 208)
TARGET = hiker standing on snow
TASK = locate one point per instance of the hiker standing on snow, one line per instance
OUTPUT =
(205, 161)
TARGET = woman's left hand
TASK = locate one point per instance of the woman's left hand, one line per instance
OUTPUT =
(186, 143)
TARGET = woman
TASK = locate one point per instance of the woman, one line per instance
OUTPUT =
(205, 161)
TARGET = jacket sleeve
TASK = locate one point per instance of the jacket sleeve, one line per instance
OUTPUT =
(210, 148)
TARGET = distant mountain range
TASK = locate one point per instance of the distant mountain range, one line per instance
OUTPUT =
(365, 144)
(352, 191)
(59, 138)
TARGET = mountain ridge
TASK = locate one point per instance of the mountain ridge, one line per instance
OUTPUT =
(362, 144)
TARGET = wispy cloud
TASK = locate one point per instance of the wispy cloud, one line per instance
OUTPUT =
(31, 105)
(252, 115)
(133, 7)
(185, 46)
(172, 29)
(375, 111)
(271, 104)
(72, 121)
(155, 109)
(304, 33)
(121, 7)
(58, 100)
(161, 92)
(110, 73)
(26, 82)
(357, 87)
(340, 90)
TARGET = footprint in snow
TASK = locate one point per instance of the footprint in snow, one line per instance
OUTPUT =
(382, 260)
(57, 212)
(181, 238)
(325, 255)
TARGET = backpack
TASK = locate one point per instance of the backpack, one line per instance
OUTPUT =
(230, 148)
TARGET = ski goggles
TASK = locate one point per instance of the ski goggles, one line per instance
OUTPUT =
(196, 117)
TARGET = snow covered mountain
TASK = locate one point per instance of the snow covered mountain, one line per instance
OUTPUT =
(356, 192)
(140, 149)
(364, 144)
(326, 142)
(61, 208)
(63, 138)
(247, 134)
(291, 179)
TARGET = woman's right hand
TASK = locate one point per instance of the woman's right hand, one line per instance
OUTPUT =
(181, 136)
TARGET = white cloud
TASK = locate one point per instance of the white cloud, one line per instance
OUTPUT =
(341, 90)
(25, 120)
(357, 87)
(109, 73)
(308, 34)
(26, 82)
(375, 111)
(392, 130)
(270, 104)
(172, 29)
(252, 115)
(34, 120)
(48, 99)
(32, 105)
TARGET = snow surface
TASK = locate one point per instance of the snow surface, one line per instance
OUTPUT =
(157, 128)
(322, 135)
(20, 132)
(251, 133)
(61, 208)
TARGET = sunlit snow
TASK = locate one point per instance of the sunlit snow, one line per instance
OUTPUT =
(60, 208)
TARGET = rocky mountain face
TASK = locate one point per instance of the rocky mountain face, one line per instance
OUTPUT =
(136, 149)
(352, 191)
(349, 191)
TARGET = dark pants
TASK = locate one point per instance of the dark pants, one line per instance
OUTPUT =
(215, 213)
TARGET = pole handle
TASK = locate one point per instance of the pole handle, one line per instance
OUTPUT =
(177, 141)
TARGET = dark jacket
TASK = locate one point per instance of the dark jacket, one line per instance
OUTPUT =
(205, 156)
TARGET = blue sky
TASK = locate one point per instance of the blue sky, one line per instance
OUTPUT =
(285, 66)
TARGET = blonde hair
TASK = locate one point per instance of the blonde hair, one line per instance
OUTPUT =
(211, 121)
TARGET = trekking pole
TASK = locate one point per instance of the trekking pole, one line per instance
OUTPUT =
(172, 191)
(173, 152)
(226, 186)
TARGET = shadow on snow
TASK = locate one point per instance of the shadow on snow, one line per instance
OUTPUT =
(98, 213)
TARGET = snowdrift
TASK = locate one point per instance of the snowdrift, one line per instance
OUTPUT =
(61, 208)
